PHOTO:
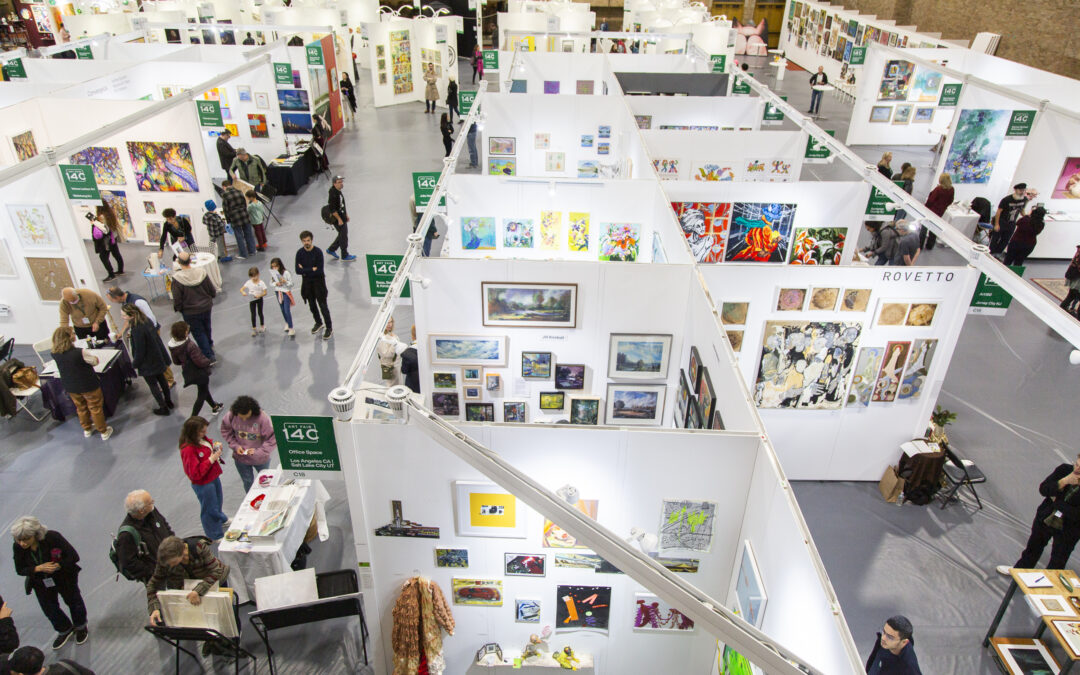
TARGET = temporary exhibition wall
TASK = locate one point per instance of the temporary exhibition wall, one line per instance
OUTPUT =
(66, 71)
(560, 136)
(906, 320)
(507, 217)
(773, 156)
(656, 63)
(1051, 164)
(395, 62)
(357, 13)
(82, 25)
(697, 111)
(556, 73)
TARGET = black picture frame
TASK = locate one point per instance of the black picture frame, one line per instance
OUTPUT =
(567, 376)
(558, 396)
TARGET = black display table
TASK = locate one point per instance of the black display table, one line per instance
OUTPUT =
(289, 179)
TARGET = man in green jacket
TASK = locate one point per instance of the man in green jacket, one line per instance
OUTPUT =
(249, 169)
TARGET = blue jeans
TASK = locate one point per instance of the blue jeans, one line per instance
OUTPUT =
(210, 513)
(286, 309)
(201, 332)
(815, 100)
(248, 472)
(245, 240)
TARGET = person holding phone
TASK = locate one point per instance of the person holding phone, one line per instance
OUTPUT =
(202, 465)
(50, 565)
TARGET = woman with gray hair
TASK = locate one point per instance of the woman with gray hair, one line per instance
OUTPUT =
(50, 566)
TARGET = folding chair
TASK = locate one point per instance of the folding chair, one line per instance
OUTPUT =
(960, 472)
(267, 195)
(42, 346)
(23, 396)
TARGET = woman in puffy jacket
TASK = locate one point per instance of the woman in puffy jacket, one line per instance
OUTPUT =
(149, 357)
(247, 430)
(201, 458)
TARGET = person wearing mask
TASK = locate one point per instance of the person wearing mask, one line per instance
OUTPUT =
(106, 233)
(309, 265)
(141, 533)
(939, 199)
(51, 568)
(1025, 236)
(149, 357)
(1057, 520)
(447, 130)
(431, 91)
(76, 369)
(248, 431)
(86, 311)
(884, 165)
(340, 214)
(1009, 210)
(215, 229)
(234, 205)
(894, 651)
(249, 169)
(1072, 276)
(225, 152)
(193, 298)
(907, 249)
(177, 229)
(817, 79)
(201, 458)
(178, 560)
(452, 100)
(349, 90)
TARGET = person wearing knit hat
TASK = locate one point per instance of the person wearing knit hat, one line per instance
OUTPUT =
(215, 227)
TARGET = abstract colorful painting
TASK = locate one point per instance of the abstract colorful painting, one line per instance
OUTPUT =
(754, 169)
(551, 86)
(401, 57)
(713, 171)
(896, 80)
(926, 86)
(578, 234)
(667, 168)
(451, 557)
(779, 171)
(687, 524)
(734, 313)
(550, 230)
(517, 232)
(892, 369)
(976, 144)
(818, 245)
(619, 241)
(153, 233)
(34, 227)
(1068, 182)
(106, 164)
(478, 234)
(163, 167)
(918, 367)
(502, 166)
(479, 592)
(862, 383)
(806, 364)
(582, 608)
(117, 200)
(705, 226)
(556, 537)
(257, 126)
(651, 613)
(760, 232)
(585, 87)
(502, 145)
(24, 145)
(526, 610)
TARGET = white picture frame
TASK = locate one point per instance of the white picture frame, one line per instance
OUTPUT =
(470, 511)
(455, 350)
(615, 394)
(631, 343)
(214, 612)
(1009, 652)
(1050, 605)
(749, 587)
(34, 227)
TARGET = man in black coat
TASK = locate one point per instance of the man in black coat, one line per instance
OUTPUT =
(225, 151)
(141, 558)
(410, 365)
(340, 216)
(1057, 519)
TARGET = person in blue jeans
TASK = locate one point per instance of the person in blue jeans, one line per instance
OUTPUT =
(470, 141)
(247, 430)
(281, 282)
(201, 458)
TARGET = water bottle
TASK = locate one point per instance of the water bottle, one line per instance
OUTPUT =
(900, 499)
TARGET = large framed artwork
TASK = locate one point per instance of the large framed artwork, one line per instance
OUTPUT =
(529, 304)
(468, 350)
(749, 588)
(976, 144)
(760, 232)
(635, 404)
(105, 162)
(486, 510)
(163, 167)
(401, 58)
(806, 364)
(34, 227)
(896, 81)
(638, 356)
(50, 275)
(705, 226)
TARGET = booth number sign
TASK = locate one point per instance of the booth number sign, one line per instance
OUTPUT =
(209, 113)
(306, 446)
(1020, 123)
(283, 73)
(381, 271)
(491, 59)
(465, 101)
(817, 153)
(314, 54)
(79, 181)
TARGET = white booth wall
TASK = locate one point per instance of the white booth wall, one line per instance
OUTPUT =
(536, 68)
(729, 149)
(823, 444)
(379, 35)
(1054, 139)
(83, 25)
(719, 111)
(565, 119)
(68, 71)
(640, 202)
(656, 63)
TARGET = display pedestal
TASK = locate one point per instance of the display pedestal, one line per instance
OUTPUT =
(585, 662)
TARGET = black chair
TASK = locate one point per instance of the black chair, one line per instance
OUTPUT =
(7, 349)
(173, 636)
(267, 193)
(960, 472)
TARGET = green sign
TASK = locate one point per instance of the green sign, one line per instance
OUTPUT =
(879, 202)
(491, 59)
(381, 270)
(84, 52)
(950, 95)
(306, 446)
(815, 151)
(465, 101)
(858, 56)
(14, 69)
(741, 86)
(989, 297)
(79, 181)
(314, 54)
(719, 63)
(773, 114)
(1020, 124)
(209, 113)
(423, 184)
(283, 73)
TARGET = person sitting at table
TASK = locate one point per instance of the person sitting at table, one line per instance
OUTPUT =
(76, 370)
(247, 430)
(149, 357)
(140, 559)
(176, 230)
(87, 311)
(179, 559)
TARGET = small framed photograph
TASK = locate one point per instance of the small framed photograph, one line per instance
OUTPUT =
(514, 412)
(472, 392)
(492, 381)
(524, 565)
(471, 374)
(445, 379)
(479, 412)
(552, 400)
(536, 365)
(569, 376)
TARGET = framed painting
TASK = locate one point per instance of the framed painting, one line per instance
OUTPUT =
(1068, 181)
(749, 588)
(541, 141)
(535, 365)
(486, 510)
(787, 346)
(862, 383)
(477, 234)
(518, 232)
(472, 375)
(262, 100)
(588, 168)
(735, 338)
(445, 404)
(472, 392)
(243, 92)
(257, 125)
(502, 166)
(492, 381)
(682, 399)
(818, 245)
(892, 313)
(529, 305)
(514, 412)
(917, 369)
(34, 227)
(569, 376)
(524, 564)
(50, 275)
(638, 356)
(1026, 656)
(921, 314)
(881, 114)
(554, 162)
(585, 608)
(478, 592)
(296, 123)
(734, 313)
(760, 232)
(584, 410)
(686, 525)
(451, 557)
(635, 404)
(471, 350)
(24, 145)
(445, 379)
(502, 145)
(552, 400)
(892, 369)
(923, 115)
(526, 610)
(902, 113)
(619, 242)
(706, 395)
(855, 300)
(823, 299)
(479, 412)
(653, 614)
(1070, 632)
(693, 415)
(694, 368)
(790, 299)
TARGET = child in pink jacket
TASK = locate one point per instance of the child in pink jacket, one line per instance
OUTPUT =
(248, 431)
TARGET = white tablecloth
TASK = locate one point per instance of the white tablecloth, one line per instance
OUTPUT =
(209, 261)
(274, 555)
(962, 218)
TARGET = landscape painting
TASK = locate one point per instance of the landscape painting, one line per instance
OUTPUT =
(569, 376)
(529, 305)
(635, 404)
(163, 167)
(468, 350)
(806, 364)
(975, 145)
(445, 404)
(584, 410)
(760, 232)
(536, 365)
(638, 357)
(293, 100)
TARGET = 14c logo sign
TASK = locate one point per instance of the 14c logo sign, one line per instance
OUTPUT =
(301, 432)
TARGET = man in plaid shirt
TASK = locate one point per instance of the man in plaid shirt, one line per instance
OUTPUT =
(215, 227)
(234, 205)
(178, 560)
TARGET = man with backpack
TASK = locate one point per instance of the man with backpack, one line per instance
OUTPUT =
(335, 214)
(140, 535)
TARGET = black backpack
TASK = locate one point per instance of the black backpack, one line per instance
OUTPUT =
(114, 556)
(328, 215)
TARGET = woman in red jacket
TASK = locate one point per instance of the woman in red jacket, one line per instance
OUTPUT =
(202, 464)
(940, 199)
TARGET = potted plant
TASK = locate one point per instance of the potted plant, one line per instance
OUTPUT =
(939, 419)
